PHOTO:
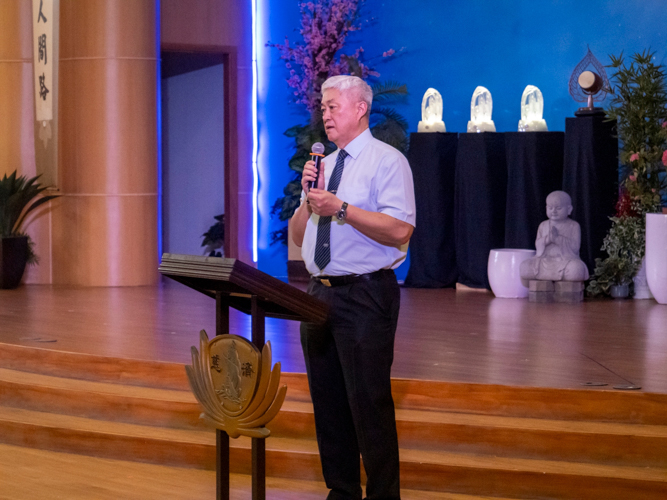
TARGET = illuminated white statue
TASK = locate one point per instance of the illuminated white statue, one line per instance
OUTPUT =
(532, 108)
(481, 107)
(558, 241)
(431, 113)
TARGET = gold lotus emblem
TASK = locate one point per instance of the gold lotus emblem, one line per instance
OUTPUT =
(235, 384)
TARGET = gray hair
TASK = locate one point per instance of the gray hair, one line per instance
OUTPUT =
(347, 82)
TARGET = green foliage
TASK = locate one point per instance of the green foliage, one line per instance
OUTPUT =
(639, 106)
(386, 124)
(389, 91)
(625, 245)
(214, 238)
(18, 197)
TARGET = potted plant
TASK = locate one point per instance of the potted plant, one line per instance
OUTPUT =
(625, 245)
(18, 197)
(214, 238)
(639, 108)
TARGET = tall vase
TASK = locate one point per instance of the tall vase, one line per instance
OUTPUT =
(642, 291)
(656, 255)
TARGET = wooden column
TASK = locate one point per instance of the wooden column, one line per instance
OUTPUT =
(105, 232)
(16, 117)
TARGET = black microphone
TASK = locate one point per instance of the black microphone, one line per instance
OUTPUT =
(317, 155)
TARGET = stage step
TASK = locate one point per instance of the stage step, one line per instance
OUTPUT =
(29, 473)
(609, 443)
(298, 459)
(589, 404)
(455, 438)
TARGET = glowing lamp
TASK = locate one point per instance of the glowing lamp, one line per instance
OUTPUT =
(431, 113)
(532, 108)
(481, 107)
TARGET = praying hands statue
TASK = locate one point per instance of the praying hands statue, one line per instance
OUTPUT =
(557, 244)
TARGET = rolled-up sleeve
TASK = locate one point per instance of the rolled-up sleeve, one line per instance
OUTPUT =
(395, 189)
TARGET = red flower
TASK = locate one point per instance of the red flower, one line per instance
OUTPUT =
(664, 158)
(624, 206)
(634, 157)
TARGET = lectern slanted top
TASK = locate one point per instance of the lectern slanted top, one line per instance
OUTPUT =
(240, 282)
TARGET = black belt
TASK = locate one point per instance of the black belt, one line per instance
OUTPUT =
(352, 278)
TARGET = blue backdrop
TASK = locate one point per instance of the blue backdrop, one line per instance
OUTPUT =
(453, 46)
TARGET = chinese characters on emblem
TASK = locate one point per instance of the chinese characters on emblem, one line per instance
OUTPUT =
(247, 369)
(216, 363)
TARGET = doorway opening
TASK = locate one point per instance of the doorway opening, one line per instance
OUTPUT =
(195, 151)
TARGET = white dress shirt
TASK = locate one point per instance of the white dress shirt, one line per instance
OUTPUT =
(377, 178)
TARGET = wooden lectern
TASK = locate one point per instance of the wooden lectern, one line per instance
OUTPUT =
(235, 284)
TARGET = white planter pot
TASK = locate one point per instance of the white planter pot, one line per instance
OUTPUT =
(656, 255)
(503, 271)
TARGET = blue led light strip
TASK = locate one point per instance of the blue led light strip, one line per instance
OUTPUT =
(255, 140)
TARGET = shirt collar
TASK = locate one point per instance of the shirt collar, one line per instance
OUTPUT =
(358, 143)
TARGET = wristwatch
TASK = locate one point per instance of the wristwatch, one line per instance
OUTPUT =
(342, 213)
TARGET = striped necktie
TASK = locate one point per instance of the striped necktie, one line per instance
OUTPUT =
(323, 243)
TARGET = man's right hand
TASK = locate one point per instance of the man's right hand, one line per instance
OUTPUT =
(309, 174)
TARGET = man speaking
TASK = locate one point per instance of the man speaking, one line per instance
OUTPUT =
(354, 226)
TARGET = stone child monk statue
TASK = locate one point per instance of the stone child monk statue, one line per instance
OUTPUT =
(557, 244)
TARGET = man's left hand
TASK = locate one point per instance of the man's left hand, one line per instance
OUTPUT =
(324, 203)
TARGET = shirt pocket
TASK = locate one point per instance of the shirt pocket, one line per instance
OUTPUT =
(359, 193)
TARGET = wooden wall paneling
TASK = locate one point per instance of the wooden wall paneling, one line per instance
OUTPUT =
(16, 118)
(109, 240)
(204, 23)
(106, 231)
(110, 117)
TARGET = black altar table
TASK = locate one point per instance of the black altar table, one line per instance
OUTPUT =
(481, 198)
(432, 158)
(534, 169)
(590, 177)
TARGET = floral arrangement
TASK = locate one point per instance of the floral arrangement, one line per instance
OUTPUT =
(639, 107)
(325, 27)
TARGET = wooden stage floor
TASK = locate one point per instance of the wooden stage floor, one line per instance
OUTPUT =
(442, 334)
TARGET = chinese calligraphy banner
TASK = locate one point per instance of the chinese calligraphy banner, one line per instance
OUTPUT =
(43, 46)
(45, 17)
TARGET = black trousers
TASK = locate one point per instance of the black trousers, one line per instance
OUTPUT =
(348, 360)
